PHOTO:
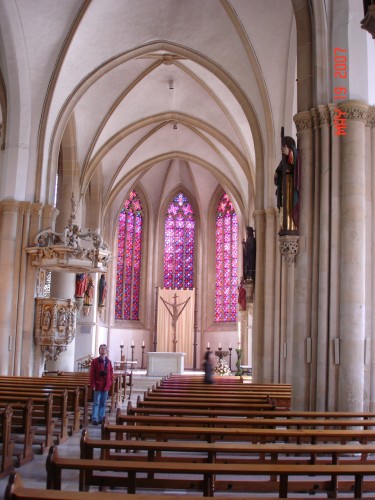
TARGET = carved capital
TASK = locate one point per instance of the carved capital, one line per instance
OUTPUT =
(324, 116)
(289, 246)
(10, 206)
(303, 121)
(354, 110)
(371, 117)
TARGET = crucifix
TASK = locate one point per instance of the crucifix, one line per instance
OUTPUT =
(175, 314)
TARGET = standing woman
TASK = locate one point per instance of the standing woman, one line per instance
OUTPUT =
(208, 367)
(101, 379)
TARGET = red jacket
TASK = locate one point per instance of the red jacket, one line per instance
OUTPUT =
(97, 381)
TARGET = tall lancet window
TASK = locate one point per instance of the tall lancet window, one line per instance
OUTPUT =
(179, 238)
(226, 261)
(129, 259)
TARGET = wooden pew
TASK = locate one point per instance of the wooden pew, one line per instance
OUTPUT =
(254, 435)
(6, 441)
(77, 404)
(59, 406)
(192, 451)
(22, 431)
(203, 405)
(42, 418)
(16, 490)
(239, 412)
(258, 422)
(204, 476)
(115, 393)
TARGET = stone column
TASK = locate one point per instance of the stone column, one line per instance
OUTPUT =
(352, 258)
(322, 232)
(9, 246)
(259, 303)
(269, 295)
(303, 265)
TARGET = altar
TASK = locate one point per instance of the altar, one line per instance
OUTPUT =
(160, 364)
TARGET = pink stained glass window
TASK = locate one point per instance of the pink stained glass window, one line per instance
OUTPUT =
(226, 261)
(179, 236)
(129, 252)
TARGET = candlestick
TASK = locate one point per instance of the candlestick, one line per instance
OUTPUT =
(143, 353)
(132, 346)
(230, 358)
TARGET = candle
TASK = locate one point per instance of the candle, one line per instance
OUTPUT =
(132, 343)
(143, 343)
(208, 345)
(230, 345)
(219, 345)
(122, 342)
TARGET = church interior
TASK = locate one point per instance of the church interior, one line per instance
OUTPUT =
(147, 200)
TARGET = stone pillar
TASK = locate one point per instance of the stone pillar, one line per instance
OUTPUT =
(9, 246)
(352, 258)
(259, 303)
(303, 265)
(22, 286)
(322, 231)
(271, 217)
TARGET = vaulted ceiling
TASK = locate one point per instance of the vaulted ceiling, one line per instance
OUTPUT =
(157, 93)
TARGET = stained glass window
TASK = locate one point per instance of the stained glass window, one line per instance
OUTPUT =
(226, 261)
(129, 259)
(179, 238)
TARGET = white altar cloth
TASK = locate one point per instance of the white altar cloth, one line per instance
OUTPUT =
(160, 364)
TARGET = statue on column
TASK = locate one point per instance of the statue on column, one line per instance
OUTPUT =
(81, 282)
(242, 297)
(249, 255)
(287, 182)
(89, 292)
(102, 291)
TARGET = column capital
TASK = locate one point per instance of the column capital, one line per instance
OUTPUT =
(355, 110)
(258, 214)
(271, 213)
(50, 212)
(371, 117)
(289, 246)
(36, 208)
(303, 121)
(10, 206)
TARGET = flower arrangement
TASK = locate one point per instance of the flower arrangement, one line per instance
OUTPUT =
(86, 363)
(222, 368)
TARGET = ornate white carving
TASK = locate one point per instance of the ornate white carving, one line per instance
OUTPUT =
(71, 250)
(55, 325)
(289, 246)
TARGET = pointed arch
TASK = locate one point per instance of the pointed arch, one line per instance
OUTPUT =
(179, 243)
(129, 258)
(226, 253)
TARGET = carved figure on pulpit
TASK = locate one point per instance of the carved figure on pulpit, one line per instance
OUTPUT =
(81, 282)
(89, 292)
(46, 319)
